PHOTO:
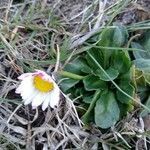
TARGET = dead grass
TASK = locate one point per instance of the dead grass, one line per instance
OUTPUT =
(31, 31)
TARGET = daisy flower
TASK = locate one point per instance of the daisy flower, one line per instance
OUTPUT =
(38, 88)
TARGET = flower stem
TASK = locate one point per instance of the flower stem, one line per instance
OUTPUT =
(71, 75)
(87, 116)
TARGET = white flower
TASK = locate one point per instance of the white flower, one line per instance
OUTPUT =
(38, 88)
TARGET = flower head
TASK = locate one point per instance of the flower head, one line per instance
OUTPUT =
(38, 88)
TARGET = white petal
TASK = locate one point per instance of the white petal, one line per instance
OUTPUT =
(55, 97)
(46, 101)
(27, 82)
(18, 90)
(24, 75)
(31, 97)
(30, 93)
(26, 89)
(38, 99)
(20, 87)
(27, 101)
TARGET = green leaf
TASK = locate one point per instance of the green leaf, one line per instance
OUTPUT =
(78, 66)
(139, 78)
(106, 37)
(147, 77)
(124, 108)
(144, 44)
(145, 112)
(145, 41)
(144, 66)
(87, 98)
(106, 111)
(88, 116)
(106, 41)
(116, 36)
(139, 54)
(77, 91)
(121, 61)
(113, 74)
(128, 76)
(67, 83)
(92, 82)
(128, 89)
(119, 36)
(98, 55)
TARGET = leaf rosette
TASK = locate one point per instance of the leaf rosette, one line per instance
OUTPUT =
(99, 68)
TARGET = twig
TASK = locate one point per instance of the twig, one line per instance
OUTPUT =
(132, 38)
(7, 10)
(85, 10)
(13, 113)
(69, 58)
(101, 13)
(73, 106)
(58, 58)
(28, 142)
(81, 40)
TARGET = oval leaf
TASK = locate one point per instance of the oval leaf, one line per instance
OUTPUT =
(121, 61)
(98, 55)
(106, 111)
(128, 89)
(66, 84)
(92, 82)
(77, 65)
(139, 54)
(120, 36)
(113, 74)
(145, 112)
(143, 64)
(106, 37)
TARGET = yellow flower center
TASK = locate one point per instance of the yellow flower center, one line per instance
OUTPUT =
(42, 85)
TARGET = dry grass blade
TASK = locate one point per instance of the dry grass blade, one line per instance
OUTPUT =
(13, 52)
